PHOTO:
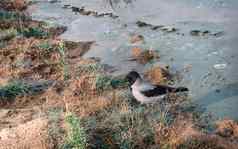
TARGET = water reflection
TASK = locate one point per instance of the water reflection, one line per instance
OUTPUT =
(217, 95)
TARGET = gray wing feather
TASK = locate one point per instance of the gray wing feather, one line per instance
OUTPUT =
(144, 86)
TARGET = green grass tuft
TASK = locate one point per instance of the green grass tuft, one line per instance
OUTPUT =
(12, 16)
(89, 68)
(61, 50)
(104, 82)
(55, 131)
(34, 32)
(76, 137)
(46, 46)
(8, 34)
(13, 89)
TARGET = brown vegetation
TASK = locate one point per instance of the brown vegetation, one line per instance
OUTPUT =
(144, 56)
(33, 134)
(157, 75)
(13, 4)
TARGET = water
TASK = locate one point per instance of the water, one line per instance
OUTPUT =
(216, 88)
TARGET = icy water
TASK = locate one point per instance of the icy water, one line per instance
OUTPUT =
(207, 64)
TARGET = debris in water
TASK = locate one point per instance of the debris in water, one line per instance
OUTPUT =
(54, 1)
(169, 29)
(217, 90)
(220, 66)
(206, 33)
(85, 12)
(187, 68)
(219, 34)
(199, 33)
(66, 6)
(137, 39)
(143, 24)
(195, 32)
(155, 27)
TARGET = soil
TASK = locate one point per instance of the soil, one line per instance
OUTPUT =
(32, 134)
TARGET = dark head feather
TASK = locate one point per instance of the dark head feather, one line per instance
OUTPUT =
(132, 77)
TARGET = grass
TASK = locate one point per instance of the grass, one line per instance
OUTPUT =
(135, 130)
(20, 21)
(89, 68)
(164, 117)
(17, 20)
(36, 32)
(13, 89)
(61, 50)
(129, 126)
(104, 82)
(20, 88)
(200, 143)
(125, 125)
(8, 34)
(55, 131)
(77, 138)
(46, 46)
(205, 121)
(12, 16)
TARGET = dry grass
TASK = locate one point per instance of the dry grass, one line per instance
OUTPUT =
(157, 75)
(13, 4)
(227, 129)
(31, 58)
(181, 129)
(144, 56)
(36, 138)
(206, 142)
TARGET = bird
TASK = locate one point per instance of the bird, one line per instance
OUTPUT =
(145, 92)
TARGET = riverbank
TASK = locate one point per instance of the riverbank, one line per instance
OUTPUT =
(67, 101)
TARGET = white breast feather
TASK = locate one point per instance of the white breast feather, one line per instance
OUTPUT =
(138, 86)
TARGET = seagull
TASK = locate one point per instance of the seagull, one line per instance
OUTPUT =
(145, 92)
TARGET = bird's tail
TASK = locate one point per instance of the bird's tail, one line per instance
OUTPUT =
(181, 89)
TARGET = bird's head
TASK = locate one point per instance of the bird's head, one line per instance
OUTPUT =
(132, 76)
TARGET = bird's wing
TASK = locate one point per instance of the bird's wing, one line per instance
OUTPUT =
(144, 86)
(157, 90)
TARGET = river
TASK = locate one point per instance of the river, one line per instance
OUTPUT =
(212, 59)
